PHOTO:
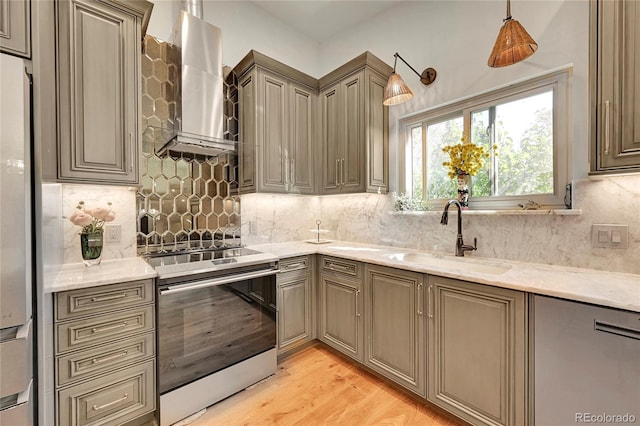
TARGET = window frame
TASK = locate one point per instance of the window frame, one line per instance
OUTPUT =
(559, 80)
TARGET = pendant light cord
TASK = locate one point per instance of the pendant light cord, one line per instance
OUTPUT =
(508, 11)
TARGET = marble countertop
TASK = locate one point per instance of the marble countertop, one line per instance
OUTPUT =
(612, 289)
(76, 275)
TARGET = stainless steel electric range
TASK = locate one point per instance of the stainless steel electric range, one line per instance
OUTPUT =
(216, 326)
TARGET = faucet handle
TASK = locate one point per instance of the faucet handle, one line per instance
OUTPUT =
(466, 247)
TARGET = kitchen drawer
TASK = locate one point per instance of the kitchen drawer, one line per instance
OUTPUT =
(103, 299)
(104, 358)
(82, 333)
(18, 410)
(298, 263)
(344, 267)
(113, 399)
(15, 360)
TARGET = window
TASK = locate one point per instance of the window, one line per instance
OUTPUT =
(527, 122)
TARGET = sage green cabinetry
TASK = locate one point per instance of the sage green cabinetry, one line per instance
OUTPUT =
(15, 27)
(277, 110)
(340, 306)
(477, 351)
(355, 127)
(105, 353)
(295, 303)
(615, 86)
(395, 326)
(98, 45)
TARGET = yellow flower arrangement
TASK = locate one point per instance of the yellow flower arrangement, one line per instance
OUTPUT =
(465, 158)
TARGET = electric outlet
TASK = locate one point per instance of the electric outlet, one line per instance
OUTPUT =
(112, 233)
(253, 227)
(610, 236)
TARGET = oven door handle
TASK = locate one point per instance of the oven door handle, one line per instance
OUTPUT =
(217, 281)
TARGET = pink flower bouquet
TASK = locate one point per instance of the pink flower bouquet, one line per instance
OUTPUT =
(92, 220)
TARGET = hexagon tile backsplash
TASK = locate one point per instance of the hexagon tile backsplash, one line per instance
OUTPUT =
(186, 201)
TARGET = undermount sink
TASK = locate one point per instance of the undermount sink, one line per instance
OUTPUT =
(453, 263)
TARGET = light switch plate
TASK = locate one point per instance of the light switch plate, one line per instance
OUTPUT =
(610, 236)
(112, 233)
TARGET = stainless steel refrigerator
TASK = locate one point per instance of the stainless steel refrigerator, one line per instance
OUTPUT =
(16, 341)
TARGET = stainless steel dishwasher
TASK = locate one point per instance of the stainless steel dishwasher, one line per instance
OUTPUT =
(587, 364)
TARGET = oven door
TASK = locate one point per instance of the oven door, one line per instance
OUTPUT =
(207, 325)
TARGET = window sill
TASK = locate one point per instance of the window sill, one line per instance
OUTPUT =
(541, 212)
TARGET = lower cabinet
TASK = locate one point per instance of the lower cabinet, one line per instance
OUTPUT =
(340, 306)
(295, 289)
(395, 332)
(477, 351)
(105, 354)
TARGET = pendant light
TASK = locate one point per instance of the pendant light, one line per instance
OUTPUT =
(396, 91)
(513, 44)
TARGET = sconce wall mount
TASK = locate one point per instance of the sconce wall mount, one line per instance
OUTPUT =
(396, 91)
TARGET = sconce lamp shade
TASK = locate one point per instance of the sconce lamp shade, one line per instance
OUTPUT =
(513, 45)
(396, 91)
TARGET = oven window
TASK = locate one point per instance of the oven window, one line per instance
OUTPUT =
(205, 330)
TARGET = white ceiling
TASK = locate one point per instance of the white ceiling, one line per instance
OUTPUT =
(321, 19)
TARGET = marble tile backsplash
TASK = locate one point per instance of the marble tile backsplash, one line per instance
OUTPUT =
(123, 204)
(550, 239)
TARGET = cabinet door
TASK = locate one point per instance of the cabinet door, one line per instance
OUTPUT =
(331, 139)
(15, 27)
(294, 310)
(377, 132)
(272, 137)
(98, 54)
(248, 112)
(395, 326)
(352, 177)
(340, 315)
(618, 87)
(477, 352)
(302, 164)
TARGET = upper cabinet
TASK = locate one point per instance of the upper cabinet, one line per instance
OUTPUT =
(296, 141)
(98, 89)
(15, 27)
(277, 109)
(615, 86)
(354, 135)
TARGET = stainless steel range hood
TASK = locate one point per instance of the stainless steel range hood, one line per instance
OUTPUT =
(200, 86)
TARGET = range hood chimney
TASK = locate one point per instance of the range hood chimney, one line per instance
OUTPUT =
(200, 86)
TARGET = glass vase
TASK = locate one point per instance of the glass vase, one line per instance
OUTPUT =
(91, 247)
(463, 182)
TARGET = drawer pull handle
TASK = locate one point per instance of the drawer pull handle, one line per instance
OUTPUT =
(294, 265)
(110, 357)
(109, 404)
(107, 298)
(340, 267)
(109, 327)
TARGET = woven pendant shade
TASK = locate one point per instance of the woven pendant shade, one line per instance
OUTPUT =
(512, 45)
(396, 91)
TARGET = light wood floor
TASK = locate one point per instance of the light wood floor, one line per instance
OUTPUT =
(317, 387)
